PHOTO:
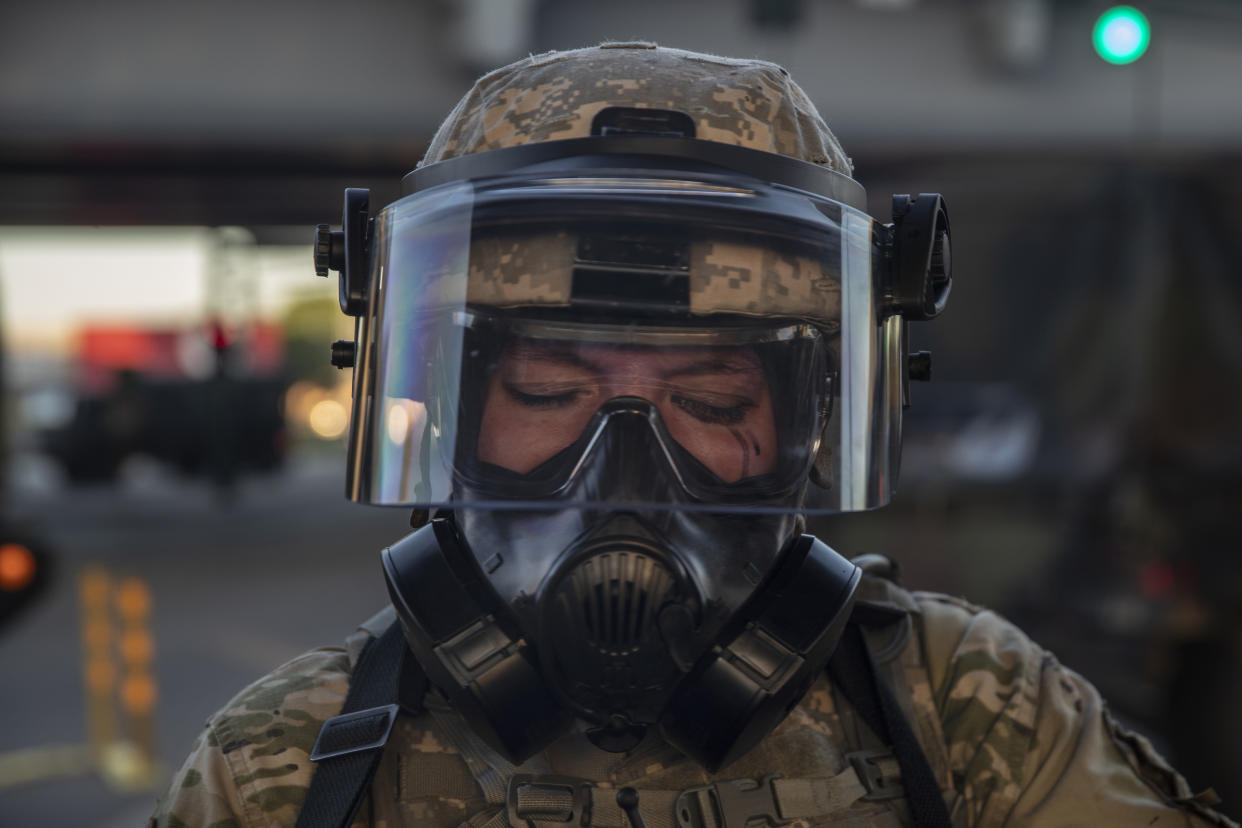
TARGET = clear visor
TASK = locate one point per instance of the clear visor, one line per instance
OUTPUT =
(644, 343)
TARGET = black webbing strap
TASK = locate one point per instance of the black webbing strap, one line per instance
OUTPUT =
(854, 672)
(350, 745)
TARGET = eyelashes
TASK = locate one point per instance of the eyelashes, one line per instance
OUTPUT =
(542, 400)
(698, 409)
(713, 414)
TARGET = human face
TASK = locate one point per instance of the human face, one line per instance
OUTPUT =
(714, 401)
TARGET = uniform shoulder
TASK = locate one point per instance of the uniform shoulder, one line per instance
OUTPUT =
(959, 638)
(285, 709)
(251, 765)
(1030, 741)
(952, 633)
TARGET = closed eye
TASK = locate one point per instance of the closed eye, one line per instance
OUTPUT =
(530, 400)
(713, 414)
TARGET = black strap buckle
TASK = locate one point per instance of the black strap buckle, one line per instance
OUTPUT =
(879, 785)
(354, 732)
(735, 803)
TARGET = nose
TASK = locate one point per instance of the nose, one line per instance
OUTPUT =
(629, 455)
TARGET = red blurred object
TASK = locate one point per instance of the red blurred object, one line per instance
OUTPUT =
(1156, 580)
(219, 337)
(265, 348)
(104, 351)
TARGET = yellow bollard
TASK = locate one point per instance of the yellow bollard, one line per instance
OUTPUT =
(99, 665)
(136, 766)
(125, 758)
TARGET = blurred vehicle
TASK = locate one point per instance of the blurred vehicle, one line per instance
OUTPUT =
(205, 403)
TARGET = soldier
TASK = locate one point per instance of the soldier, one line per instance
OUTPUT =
(628, 326)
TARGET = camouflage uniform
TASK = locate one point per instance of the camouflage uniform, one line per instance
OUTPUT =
(1012, 737)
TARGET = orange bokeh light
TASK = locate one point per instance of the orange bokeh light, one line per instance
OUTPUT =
(100, 675)
(17, 567)
(137, 647)
(138, 694)
(133, 599)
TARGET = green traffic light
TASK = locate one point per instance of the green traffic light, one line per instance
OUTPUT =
(1121, 35)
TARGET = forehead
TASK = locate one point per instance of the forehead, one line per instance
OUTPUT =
(605, 357)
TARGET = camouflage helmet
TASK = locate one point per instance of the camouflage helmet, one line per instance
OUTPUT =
(637, 196)
(555, 95)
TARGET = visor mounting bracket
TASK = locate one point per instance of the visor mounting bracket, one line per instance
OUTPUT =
(356, 223)
(920, 272)
(348, 251)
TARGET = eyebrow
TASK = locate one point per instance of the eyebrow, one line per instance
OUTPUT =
(711, 366)
(564, 357)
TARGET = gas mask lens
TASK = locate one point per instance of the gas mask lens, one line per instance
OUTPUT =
(715, 403)
(723, 415)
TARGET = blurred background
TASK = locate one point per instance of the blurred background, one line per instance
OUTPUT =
(172, 513)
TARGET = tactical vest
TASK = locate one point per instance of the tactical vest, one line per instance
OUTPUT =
(823, 765)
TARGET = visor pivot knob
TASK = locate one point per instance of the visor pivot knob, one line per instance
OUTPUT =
(329, 250)
(343, 351)
(918, 365)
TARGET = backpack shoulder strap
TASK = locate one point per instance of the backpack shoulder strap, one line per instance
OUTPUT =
(853, 670)
(385, 680)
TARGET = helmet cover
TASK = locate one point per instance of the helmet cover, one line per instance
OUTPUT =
(556, 95)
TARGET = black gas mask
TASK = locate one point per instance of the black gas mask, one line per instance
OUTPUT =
(632, 618)
(707, 626)
(610, 367)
